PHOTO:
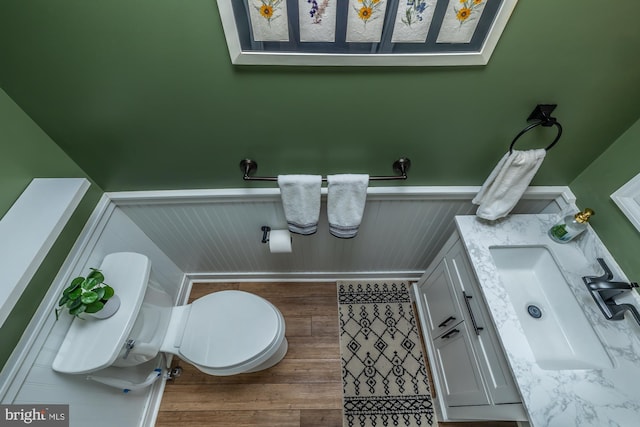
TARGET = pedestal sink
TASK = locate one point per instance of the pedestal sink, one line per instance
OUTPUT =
(558, 332)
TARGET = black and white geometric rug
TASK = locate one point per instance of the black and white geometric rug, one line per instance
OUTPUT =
(384, 377)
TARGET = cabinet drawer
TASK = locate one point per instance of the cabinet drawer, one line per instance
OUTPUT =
(458, 369)
(439, 298)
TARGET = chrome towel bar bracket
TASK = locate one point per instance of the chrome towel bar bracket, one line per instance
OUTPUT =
(400, 167)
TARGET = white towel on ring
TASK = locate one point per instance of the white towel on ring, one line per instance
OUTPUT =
(507, 182)
(346, 196)
(301, 201)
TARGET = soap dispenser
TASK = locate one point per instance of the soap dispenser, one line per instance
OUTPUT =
(570, 226)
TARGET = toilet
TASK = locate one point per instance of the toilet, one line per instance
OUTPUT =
(223, 333)
(227, 333)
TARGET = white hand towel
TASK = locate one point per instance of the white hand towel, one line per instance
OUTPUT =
(346, 196)
(507, 182)
(301, 201)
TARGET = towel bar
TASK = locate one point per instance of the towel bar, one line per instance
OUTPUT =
(400, 166)
(542, 113)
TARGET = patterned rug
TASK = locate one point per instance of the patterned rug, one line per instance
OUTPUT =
(384, 377)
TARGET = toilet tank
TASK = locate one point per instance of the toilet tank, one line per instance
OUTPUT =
(102, 340)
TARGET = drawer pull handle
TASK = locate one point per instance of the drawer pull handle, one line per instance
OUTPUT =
(450, 334)
(446, 321)
(473, 319)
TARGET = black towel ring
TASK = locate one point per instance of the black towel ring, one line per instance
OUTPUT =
(542, 113)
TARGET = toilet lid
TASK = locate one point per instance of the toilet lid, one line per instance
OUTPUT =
(228, 328)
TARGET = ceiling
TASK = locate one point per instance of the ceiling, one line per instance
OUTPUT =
(142, 95)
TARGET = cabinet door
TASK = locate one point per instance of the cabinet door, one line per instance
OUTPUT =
(458, 369)
(442, 307)
(491, 359)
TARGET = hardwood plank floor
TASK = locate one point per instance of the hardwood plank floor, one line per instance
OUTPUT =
(303, 390)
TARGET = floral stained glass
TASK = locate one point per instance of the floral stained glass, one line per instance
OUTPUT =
(365, 20)
(413, 21)
(460, 21)
(269, 20)
(317, 20)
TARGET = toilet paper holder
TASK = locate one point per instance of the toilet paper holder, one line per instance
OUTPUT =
(265, 233)
(279, 240)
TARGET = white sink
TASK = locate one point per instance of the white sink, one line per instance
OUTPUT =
(562, 337)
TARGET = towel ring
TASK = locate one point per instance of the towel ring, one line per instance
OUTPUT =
(542, 113)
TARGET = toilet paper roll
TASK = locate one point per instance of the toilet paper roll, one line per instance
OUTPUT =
(279, 241)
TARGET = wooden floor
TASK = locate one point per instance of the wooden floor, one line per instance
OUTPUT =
(303, 390)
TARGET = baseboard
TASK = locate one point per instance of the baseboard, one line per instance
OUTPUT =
(153, 404)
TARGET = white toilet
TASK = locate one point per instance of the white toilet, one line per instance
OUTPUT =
(223, 333)
(226, 333)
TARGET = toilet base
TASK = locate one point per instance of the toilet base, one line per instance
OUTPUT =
(273, 360)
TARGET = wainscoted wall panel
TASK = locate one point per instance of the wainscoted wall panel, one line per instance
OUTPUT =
(36, 382)
(399, 233)
(218, 233)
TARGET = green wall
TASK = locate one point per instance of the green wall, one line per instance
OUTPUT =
(27, 153)
(142, 95)
(594, 185)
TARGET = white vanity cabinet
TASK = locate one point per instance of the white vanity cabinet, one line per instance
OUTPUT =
(470, 372)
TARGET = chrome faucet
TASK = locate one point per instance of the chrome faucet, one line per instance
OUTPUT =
(603, 291)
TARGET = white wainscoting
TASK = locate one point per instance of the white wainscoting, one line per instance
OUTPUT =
(28, 376)
(217, 235)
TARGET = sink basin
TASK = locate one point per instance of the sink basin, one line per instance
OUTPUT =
(558, 332)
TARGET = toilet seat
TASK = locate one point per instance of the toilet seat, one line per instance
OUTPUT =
(226, 332)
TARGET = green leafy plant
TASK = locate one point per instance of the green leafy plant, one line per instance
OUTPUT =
(85, 294)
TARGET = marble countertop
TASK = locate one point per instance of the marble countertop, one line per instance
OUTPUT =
(560, 398)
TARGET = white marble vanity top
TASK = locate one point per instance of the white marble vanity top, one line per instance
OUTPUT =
(561, 398)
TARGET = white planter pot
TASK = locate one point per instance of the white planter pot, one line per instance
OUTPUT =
(110, 308)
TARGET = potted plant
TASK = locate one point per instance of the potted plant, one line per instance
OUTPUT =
(89, 295)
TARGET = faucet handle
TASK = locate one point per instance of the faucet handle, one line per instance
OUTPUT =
(604, 285)
(608, 275)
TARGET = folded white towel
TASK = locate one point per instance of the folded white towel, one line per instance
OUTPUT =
(507, 182)
(301, 201)
(346, 196)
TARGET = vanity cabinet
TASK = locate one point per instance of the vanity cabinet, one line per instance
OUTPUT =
(470, 371)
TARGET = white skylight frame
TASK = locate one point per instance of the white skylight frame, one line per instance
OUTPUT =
(480, 57)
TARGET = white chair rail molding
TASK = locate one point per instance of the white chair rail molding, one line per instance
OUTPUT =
(30, 228)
